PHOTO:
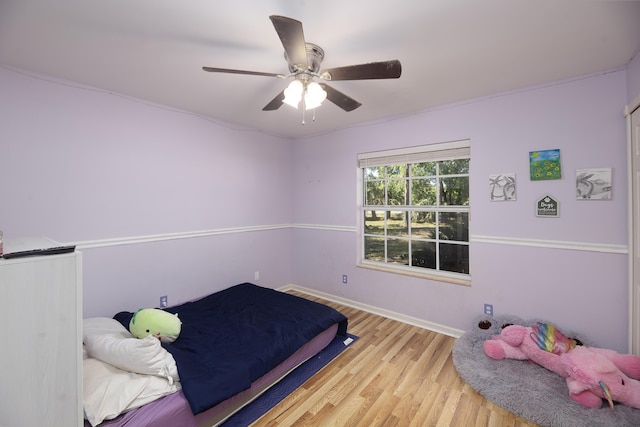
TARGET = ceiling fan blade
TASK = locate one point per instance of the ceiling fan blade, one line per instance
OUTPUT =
(252, 73)
(374, 70)
(340, 99)
(275, 102)
(292, 38)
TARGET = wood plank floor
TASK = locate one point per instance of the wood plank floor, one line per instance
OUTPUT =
(395, 374)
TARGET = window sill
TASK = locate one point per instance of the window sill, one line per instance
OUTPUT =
(439, 277)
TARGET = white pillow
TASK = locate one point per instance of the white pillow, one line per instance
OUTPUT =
(108, 391)
(103, 325)
(142, 356)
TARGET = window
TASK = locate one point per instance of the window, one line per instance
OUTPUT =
(415, 210)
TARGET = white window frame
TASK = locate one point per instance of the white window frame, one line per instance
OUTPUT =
(424, 153)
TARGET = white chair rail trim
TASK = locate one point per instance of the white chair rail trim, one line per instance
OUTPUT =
(513, 241)
(552, 244)
(132, 240)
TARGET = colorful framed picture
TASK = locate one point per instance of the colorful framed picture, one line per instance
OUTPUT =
(545, 165)
(593, 184)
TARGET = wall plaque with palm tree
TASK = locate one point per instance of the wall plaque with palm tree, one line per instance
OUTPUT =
(502, 187)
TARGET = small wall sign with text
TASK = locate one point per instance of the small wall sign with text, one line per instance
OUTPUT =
(547, 207)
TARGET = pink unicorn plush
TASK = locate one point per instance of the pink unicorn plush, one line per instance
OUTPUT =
(592, 374)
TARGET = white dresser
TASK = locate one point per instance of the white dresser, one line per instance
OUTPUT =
(40, 337)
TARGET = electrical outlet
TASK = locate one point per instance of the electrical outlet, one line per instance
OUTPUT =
(344, 279)
(256, 275)
(164, 301)
(488, 309)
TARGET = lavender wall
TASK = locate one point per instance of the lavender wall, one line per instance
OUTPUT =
(571, 270)
(633, 78)
(163, 202)
(88, 167)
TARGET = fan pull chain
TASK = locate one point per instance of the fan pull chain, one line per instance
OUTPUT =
(304, 110)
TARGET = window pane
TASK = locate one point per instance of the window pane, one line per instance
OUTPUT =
(454, 167)
(375, 172)
(374, 248)
(454, 226)
(396, 171)
(397, 224)
(423, 192)
(423, 169)
(454, 191)
(398, 251)
(374, 193)
(423, 225)
(454, 258)
(416, 215)
(423, 254)
(397, 193)
(374, 222)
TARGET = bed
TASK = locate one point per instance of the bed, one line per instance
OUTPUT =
(234, 344)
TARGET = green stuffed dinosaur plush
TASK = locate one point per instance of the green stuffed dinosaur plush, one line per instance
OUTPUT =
(153, 321)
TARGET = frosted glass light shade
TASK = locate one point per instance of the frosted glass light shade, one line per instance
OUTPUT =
(293, 93)
(314, 95)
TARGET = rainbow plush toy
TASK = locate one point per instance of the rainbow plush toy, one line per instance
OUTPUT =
(592, 374)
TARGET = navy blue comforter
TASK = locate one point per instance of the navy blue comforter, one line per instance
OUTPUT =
(233, 337)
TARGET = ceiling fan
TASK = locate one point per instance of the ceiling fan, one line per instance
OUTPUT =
(304, 61)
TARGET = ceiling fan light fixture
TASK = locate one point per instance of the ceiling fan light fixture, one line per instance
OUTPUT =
(293, 93)
(303, 60)
(314, 95)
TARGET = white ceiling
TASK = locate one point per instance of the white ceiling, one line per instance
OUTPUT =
(450, 50)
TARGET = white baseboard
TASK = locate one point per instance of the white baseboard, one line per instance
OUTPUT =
(435, 327)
